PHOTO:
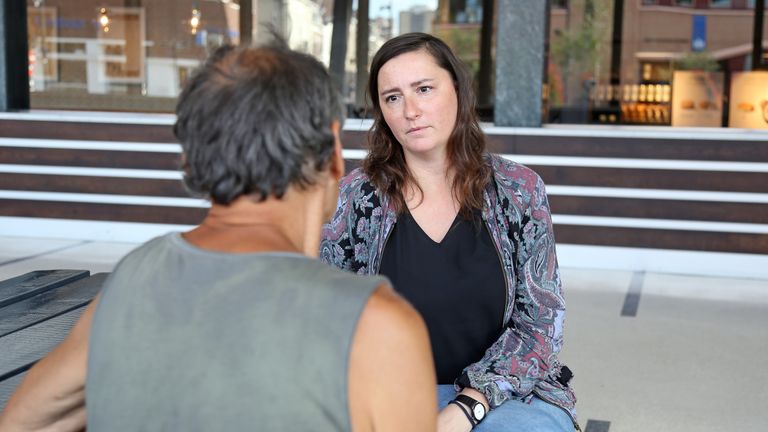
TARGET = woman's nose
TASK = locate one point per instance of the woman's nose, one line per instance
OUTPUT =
(411, 108)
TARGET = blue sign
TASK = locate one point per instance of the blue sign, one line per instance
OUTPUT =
(699, 33)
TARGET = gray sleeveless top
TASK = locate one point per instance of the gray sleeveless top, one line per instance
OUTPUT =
(185, 339)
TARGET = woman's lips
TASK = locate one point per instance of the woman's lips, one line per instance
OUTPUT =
(416, 129)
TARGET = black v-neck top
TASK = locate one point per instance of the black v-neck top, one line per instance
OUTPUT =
(457, 285)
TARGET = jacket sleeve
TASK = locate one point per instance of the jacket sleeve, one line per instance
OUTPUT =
(527, 350)
(340, 245)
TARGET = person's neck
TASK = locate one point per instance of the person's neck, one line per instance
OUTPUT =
(290, 224)
(431, 172)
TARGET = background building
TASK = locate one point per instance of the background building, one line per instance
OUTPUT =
(417, 19)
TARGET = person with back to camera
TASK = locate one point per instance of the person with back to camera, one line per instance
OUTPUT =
(465, 236)
(233, 326)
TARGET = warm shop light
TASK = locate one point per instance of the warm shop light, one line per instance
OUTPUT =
(194, 22)
(104, 20)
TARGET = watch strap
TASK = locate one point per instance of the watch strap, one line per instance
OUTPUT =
(470, 403)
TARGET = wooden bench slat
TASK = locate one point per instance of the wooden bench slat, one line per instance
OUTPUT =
(49, 304)
(21, 349)
(36, 282)
(8, 386)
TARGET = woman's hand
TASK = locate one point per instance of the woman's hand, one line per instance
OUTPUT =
(451, 419)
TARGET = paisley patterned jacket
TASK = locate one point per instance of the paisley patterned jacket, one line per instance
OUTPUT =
(524, 360)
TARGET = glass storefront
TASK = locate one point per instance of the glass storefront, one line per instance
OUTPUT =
(136, 55)
(678, 60)
(657, 62)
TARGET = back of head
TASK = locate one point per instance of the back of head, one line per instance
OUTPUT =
(254, 121)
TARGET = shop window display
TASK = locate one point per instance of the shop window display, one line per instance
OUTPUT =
(136, 55)
(594, 80)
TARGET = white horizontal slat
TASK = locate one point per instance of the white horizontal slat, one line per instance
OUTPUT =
(91, 172)
(599, 162)
(91, 117)
(645, 132)
(105, 199)
(133, 232)
(665, 194)
(606, 131)
(668, 224)
(665, 164)
(354, 154)
(699, 263)
(90, 145)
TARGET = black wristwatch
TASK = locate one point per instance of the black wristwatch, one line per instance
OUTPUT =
(476, 409)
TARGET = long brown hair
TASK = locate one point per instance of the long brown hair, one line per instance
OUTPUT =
(385, 163)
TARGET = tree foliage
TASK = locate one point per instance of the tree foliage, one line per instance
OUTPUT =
(696, 61)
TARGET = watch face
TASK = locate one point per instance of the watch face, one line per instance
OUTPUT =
(479, 411)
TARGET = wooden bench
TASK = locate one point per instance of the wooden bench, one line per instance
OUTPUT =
(37, 311)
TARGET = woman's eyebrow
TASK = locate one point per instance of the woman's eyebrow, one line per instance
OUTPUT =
(413, 84)
(421, 81)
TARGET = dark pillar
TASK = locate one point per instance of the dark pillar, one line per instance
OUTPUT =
(342, 11)
(246, 22)
(757, 36)
(618, 28)
(14, 67)
(520, 62)
(361, 52)
(485, 90)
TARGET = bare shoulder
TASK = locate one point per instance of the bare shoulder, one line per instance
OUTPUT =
(387, 307)
(391, 353)
(389, 326)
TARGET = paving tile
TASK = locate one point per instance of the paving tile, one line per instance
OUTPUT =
(94, 256)
(681, 364)
(709, 288)
(13, 248)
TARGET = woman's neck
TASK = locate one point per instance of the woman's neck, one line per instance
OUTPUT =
(432, 168)
(434, 178)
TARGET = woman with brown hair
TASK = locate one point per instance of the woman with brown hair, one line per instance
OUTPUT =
(465, 236)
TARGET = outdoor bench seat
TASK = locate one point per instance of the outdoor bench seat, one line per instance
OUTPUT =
(37, 311)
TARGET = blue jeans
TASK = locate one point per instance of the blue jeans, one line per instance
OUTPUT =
(516, 416)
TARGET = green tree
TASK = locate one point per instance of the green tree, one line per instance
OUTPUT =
(578, 54)
(696, 61)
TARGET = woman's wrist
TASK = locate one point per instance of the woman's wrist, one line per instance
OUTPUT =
(451, 419)
(465, 410)
(476, 395)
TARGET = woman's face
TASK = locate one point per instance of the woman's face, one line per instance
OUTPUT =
(419, 103)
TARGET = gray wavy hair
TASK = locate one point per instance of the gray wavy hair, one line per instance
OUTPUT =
(254, 121)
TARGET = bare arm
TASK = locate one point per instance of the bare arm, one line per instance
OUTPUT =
(392, 383)
(52, 395)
